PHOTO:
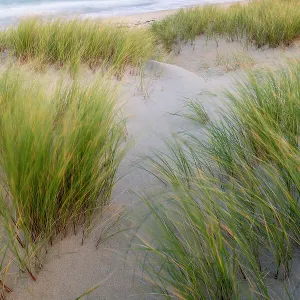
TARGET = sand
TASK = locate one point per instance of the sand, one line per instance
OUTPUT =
(202, 71)
(196, 73)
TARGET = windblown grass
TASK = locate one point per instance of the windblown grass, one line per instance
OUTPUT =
(59, 152)
(261, 22)
(232, 211)
(196, 112)
(71, 43)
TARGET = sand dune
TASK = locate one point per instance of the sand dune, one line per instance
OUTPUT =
(153, 103)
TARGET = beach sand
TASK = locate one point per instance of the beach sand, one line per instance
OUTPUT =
(202, 71)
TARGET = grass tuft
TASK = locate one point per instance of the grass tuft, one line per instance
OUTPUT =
(76, 42)
(260, 22)
(59, 153)
(230, 220)
(196, 112)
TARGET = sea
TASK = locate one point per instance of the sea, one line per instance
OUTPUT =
(13, 10)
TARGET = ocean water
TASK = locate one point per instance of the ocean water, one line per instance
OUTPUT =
(12, 10)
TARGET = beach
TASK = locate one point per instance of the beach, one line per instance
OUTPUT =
(153, 104)
(13, 11)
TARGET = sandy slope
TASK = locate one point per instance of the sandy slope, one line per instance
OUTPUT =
(71, 269)
(199, 73)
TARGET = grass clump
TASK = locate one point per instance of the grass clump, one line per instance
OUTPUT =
(184, 26)
(75, 42)
(260, 22)
(230, 220)
(196, 112)
(59, 152)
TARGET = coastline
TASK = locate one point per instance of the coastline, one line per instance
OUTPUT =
(133, 19)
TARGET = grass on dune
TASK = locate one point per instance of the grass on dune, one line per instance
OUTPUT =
(59, 152)
(261, 22)
(196, 112)
(74, 42)
(230, 221)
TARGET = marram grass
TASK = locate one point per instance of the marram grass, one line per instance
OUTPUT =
(230, 220)
(59, 152)
(74, 42)
(260, 22)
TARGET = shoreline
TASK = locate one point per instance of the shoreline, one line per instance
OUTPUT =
(134, 19)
